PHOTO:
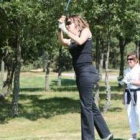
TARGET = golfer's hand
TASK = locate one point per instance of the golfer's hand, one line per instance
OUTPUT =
(63, 28)
(62, 19)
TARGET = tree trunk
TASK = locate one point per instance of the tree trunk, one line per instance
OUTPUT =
(47, 78)
(59, 78)
(108, 92)
(97, 52)
(107, 85)
(2, 74)
(9, 64)
(138, 49)
(2, 70)
(59, 67)
(7, 86)
(44, 58)
(96, 88)
(16, 80)
(107, 55)
(101, 65)
(97, 97)
(122, 46)
(2, 81)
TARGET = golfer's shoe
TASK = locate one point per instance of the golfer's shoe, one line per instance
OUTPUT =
(109, 137)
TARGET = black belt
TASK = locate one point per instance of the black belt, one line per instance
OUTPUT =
(129, 96)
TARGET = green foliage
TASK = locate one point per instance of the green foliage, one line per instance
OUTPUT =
(27, 68)
(36, 22)
(62, 60)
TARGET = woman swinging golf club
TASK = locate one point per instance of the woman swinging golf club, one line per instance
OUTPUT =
(80, 44)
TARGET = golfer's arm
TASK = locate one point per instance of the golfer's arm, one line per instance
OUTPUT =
(85, 34)
(63, 41)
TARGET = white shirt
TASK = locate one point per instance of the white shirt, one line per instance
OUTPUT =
(132, 74)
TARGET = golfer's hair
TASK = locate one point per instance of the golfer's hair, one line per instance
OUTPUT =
(79, 22)
(134, 55)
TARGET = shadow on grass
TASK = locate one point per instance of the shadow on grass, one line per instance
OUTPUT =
(114, 96)
(4, 110)
(31, 89)
(64, 87)
(33, 107)
(113, 88)
(67, 85)
(70, 85)
(64, 82)
(114, 109)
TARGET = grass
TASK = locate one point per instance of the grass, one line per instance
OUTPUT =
(55, 114)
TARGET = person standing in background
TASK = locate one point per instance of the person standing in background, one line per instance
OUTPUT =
(132, 93)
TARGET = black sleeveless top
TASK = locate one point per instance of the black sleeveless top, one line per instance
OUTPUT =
(81, 53)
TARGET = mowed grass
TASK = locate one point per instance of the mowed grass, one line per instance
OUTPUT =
(55, 114)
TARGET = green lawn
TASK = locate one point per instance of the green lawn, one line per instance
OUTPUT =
(55, 114)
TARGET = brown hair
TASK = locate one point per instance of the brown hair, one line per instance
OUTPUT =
(134, 55)
(79, 22)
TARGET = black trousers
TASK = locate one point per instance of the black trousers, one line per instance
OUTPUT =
(86, 77)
